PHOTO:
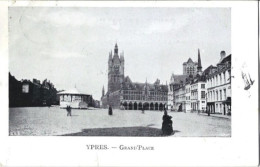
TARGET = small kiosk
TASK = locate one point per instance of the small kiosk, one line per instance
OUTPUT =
(74, 99)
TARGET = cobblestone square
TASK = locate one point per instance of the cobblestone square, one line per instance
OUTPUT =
(52, 121)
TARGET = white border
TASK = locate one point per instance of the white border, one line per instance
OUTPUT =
(239, 150)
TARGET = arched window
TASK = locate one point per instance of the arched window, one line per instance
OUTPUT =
(220, 79)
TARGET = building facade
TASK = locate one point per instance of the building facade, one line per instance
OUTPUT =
(218, 82)
(170, 93)
(179, 97)
(203, 91)
(31, 93)
(198, 94)
(124, 94)
(187, 106)
(175, 84)
(189, 89)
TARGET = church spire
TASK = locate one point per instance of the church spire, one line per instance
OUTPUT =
(110, 55)
(116, 49)
(103, 91)
(199, 68)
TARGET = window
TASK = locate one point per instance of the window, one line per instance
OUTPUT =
(224, 77)
(220, 79)
(203, 94)
(25, 88)
(225, 95)
(202, 85)
(61, 98)
(220, 94)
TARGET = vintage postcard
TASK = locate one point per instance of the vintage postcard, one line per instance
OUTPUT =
(139, 79)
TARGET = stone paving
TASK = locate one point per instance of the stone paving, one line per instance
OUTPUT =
(44, 121)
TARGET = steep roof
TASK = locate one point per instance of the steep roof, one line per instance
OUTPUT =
(208, 69)
(128, 84)
(190, 61)
(179, 78)
(73, 91)
(226, 59)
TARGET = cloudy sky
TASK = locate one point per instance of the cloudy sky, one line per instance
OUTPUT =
(70, 46)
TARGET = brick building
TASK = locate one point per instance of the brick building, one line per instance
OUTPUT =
(31, 93)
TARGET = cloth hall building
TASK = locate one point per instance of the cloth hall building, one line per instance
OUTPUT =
(124, 94)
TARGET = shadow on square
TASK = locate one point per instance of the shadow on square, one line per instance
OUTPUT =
(121, 131)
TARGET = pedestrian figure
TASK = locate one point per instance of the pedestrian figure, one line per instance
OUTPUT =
(143, 110)
(68, 108)
(110, 112)
(167, 124)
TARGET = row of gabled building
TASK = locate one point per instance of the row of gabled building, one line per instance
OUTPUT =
(26, 93)
(202, 91)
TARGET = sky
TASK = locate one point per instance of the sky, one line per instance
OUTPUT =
(70, 46)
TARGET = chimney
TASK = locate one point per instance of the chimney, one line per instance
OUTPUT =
(222, 55)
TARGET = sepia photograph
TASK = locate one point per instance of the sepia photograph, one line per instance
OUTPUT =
(132, 83)
(143, 72)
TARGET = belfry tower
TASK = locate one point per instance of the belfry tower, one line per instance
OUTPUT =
(116, 66)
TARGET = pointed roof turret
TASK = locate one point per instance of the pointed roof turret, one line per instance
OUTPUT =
(116, 49)
(103, 91)
(122, 56)
(110, 55)
(189, 60)
(116, 59)
(199, 62)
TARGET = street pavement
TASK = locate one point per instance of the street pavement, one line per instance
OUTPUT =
(52, 121)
